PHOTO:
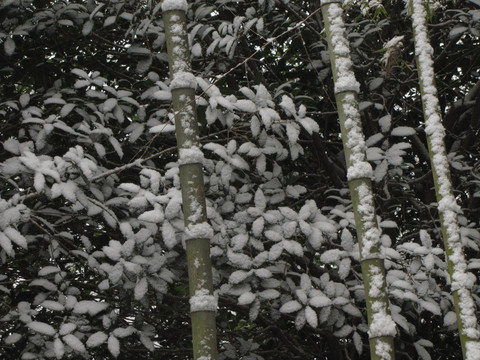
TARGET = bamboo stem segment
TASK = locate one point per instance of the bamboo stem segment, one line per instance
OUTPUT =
(461, 280)
(382, 328)
(198, 232)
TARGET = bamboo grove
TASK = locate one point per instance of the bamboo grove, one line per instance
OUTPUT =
(258, 179)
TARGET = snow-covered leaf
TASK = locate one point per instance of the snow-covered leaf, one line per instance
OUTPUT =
(290, 306)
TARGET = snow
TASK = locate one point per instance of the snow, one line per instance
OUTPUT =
(170, 5)
(13, 338)
(162, 95)
(239, 241)
(245, 106)
(472, 350)
(290, 307)
(42, 328)
(371, 237)
(67, 328)
(377, 282)
(269, 294)
(288, 106)
(330, 256)
(96, 339)
(358, 167)
(16, 237)
(183, 80)
(240, 260)
(152, 216)
(141, 289)
(320, 301)
(368, 5)
(340, 48)
(203, 301)
(383, 350)
(385, 123)
(309, 124)
(6, 244)
(44, 283)
(311, 317)
(246, 298)
(113, 346)
(74, 342)
(123, 332)
(47, 270)
(382, 323)
(238, 276)
(191, 155)
(90, 307)
(52, 305)
(403, 131)
(113, 250)
(391, 46)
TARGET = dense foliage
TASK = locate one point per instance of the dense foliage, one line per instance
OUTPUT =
(92, 260)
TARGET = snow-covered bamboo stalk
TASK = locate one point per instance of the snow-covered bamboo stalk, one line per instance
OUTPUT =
(382, 328)
(198, 232)
(461, 280)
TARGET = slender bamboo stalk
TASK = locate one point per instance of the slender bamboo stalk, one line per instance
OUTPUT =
(382, 328)
(461, 280)
(198, 232)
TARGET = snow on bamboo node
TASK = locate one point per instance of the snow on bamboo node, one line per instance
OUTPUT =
(198, 231)
(383, 350)
(382, 323)
(346, 80)
(326, 2)
(191, 155)
(358, 167)
(170, 5)
(371, 236)
(203, 301)
(183, 80)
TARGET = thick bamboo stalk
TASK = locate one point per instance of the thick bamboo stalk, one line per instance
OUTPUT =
(198, 232)
(382, 328)
(461, 280)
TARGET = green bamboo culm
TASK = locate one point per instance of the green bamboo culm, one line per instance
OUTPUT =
(198, 232)
(461, 280)
(382, 328)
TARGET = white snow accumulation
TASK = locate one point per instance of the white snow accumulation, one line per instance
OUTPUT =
(391, 46)
(169, 5)
(368, 5)
(180, 51)
(382, 322)
(190, 155)
(199, 231)
(346, 83)
(383, 350)
(203, 301)
(371, 237)
(182, 80)
(462, 281)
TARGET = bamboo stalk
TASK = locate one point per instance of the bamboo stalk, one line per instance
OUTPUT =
(461, 280)
(198, 232)
(382, 328)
